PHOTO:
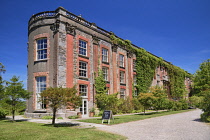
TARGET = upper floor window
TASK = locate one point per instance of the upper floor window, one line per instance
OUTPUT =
(121, 60)
(82, 47)
(83, 90)
(134, 64)
(82, 69)
(105, 73)
(41, 48)
(40, 86)
(134, 80)
(104, 55)
(122, 77)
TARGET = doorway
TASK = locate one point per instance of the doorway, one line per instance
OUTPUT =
(84, 108)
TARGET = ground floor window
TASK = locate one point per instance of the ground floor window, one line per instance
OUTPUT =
(122, 93)
(40, 86)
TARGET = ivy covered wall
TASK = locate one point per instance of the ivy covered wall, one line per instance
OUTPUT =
(146, 64)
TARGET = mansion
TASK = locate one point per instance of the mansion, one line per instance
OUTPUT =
(66, 50)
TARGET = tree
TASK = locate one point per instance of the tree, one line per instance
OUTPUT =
(2, 70)
(202, 78)
(146, 99)
(205, 106)
(100, 83)
(160, 97)
(15, 94)
(58, 97)
(202, 88)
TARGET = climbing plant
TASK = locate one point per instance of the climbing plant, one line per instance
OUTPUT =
(146, 64)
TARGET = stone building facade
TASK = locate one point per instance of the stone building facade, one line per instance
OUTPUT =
(66, 50)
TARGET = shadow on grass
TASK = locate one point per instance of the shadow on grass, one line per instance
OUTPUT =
(10, 120)
(63, 124)
(149, 113)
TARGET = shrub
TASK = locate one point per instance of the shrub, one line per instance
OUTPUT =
(47, 117)
(125, 105)
(176, 106)
(60, 118)
(136, 105)
(169, 104)
(205, 117)
(73, 117)
(184, 104)
(195, 101)
(3, 113)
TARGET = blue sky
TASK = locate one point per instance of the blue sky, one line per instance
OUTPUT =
(176, 30)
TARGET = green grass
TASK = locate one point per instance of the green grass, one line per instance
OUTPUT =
(130, 118)
(35, 131)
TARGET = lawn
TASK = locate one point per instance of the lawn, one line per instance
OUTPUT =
(35, 131)
(136, 117)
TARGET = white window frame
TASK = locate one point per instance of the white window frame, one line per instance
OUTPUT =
(134, 80)
(105, 55)
(41, 49)
(83, 90)
(122, 77)
(83, 70)
(41, 85)
(105, 73)
(134, 64)
(82, 47)
(122, 93)
(121, 60)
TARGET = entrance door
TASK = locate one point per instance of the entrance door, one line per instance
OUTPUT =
(84, 108)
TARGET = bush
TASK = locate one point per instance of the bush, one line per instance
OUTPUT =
(107, 102)
(73, 117)
(205, 117)
(47, 117)
(60, 118)
(184, 104)
(195, 101)
(136, 105)
(125, 105)
(176, 106)
(169, 104)
(3, 113)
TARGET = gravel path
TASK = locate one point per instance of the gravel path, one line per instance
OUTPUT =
(182, 126)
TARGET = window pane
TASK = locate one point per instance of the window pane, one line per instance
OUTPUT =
(82, 69)
(121, 60)
(82, 47)
(40, 86)
(83, 90)
(104, 55)
(42, 48)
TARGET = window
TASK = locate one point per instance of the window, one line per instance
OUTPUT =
(82, 47)
(121, 60)
(105, 73)
(40, 86)
(82, 69)
(134, 64)
(41, 48)
(83, 90)
(122, 93)
(104, 55)
(134, 80)
(122, 77)
(135, 93)
(107, 90)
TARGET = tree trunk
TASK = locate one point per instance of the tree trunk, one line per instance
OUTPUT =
(54, 115)
(144, 110)
(13, 115)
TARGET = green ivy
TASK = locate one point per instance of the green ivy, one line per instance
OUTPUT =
(146, 64)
